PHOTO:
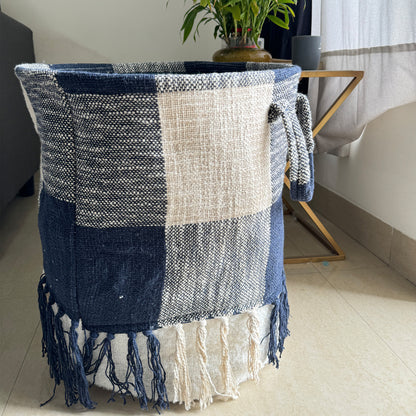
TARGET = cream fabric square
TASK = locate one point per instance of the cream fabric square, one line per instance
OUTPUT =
(216, 145)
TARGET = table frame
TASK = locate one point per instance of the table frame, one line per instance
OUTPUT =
(323, 235)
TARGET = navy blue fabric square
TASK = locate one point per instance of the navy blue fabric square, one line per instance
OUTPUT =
(274, 270)
(210, 67)
(104, 83)
(103, 68)
(57, 233)
(120, 276)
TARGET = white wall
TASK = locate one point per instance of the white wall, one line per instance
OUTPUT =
(380, 174)
(109, 30)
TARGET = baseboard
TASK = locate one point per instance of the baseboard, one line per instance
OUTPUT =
(393, 247)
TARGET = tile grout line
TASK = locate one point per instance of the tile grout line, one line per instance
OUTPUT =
(21, 367)
(350, 269)
(365, 321)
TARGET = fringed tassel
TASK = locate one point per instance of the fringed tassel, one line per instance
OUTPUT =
(88, 351)
(43, 304)
(119, 387)
(182, 381)
(68, 364)
(281, 311)
(47, 316)
(135, 368)
(64, 359)
(253, 346)
(205, 391)
(271, 354)
(79, 372)
(49, 345)
(283, 319)
(159, 374)
(230, 387)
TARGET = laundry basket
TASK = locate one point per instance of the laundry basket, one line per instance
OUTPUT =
(161, 223)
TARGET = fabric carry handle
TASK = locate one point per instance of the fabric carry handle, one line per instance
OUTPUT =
(298, 129)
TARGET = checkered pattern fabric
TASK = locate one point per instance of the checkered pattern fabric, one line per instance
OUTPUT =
(161, 195)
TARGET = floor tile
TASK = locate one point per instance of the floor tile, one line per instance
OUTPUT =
(359, 224)
(18, 321)
(357, 256)
(387, 302)
(20, 249)
(334, 364)
(304, 241)
(291, 250)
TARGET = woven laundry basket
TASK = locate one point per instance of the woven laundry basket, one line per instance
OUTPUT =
(161, 223)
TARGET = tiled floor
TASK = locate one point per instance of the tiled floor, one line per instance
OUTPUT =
(352, 350)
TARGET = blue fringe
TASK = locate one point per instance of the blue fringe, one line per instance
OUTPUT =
(281, 311)
(135, 367)
(49, 345)
(283, 320)
(110, 370)
(68, 364)
(64, 361)
(159, 374)
(80, 380)
(88, 350)
(43, 304)
(271, 354)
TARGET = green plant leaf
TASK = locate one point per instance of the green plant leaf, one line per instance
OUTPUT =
(236, 12)
(229, 3)
(254, 7)
(277, 21)
(190, 17)
(204, 3)
(216, 31)
(290, 11)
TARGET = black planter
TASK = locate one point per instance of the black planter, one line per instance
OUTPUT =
(306, 51)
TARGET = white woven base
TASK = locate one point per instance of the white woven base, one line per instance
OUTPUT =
(238, 341)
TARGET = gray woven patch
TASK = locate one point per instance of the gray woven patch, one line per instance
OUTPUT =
(212, 81)
(55, 130)
(150, 67)
(120, 166)
(215, 268)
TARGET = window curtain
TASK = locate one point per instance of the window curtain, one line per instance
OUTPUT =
(376, 36)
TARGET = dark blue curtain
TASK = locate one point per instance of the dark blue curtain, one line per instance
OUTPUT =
(278, 41)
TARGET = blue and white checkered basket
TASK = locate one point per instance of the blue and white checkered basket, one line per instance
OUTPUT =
(161, 223)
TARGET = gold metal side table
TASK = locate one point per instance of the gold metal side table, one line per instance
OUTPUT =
(323, 234)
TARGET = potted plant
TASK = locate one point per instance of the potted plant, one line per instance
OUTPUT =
(239, 24)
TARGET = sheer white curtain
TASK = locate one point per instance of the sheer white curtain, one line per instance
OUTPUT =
(377, 36)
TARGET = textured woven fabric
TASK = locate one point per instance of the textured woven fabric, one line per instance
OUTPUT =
(161, 203)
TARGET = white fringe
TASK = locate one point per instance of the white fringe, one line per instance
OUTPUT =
(182, 381)
(230, 386)
(205, 392)
(254, 364)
